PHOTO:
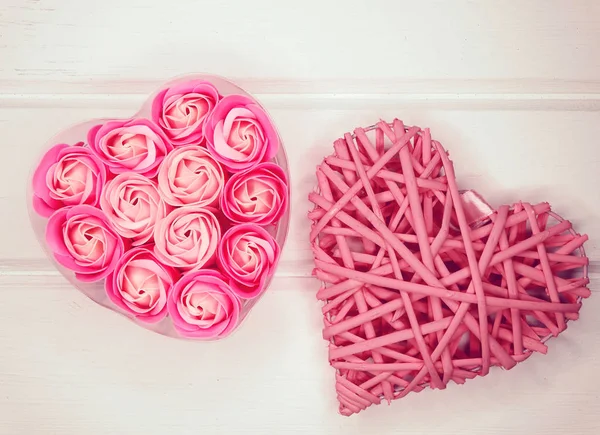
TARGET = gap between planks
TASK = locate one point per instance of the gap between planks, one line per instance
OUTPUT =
(38, 271)
(589, 102)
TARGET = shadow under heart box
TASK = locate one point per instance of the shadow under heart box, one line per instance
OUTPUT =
(174, 217)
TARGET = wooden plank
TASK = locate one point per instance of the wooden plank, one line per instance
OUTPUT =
(153, 39)
(70, 367)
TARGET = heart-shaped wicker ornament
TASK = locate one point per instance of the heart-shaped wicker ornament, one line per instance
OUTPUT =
(424, 284)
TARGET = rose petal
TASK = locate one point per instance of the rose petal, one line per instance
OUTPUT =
(187, 237)
(66, 175)
(248, 254)
(258, 195)
(133, 205)
(202, 305)
(182, 109)
(82, 240)
(136, 145)
(140, 285)
(239, 133)
(191, 176)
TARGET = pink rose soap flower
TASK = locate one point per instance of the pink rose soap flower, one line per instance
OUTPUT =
(173, 217)
(191, 176)
(248, 254)
(239, 133)
(133, 205)
(141, 284)
(67, 175)
(202, 305)
(134, 145)
(187, 238)
(257, 196)
(82, 240)
(181, 110)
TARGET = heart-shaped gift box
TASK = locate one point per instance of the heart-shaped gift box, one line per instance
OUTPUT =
(424, 284)
(174, 217)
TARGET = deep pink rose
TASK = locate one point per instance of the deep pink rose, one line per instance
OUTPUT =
(187, 238)
(133, 205)
(82, 240)
(248, 254)
(259, 195)
(202, 305)
(134, 145)
(240, 134)
(190, 175)
(181, 110)
(67, 175)
(140, 285)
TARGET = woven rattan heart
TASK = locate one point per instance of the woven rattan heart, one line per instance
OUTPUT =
(424, 284)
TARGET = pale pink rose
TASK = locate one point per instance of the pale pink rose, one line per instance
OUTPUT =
(240, 134)
(248, 254)
(67, 175)
(181, 110)
(187, 238)
(133, 145)
(191, 176)
(133, 205)
(82, 240)
(259, 195)
(202, 305)
(140, 285)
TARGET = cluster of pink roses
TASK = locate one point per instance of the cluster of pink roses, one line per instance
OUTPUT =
(170, 211)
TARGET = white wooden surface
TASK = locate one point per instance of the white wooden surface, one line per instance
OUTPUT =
(511, 88)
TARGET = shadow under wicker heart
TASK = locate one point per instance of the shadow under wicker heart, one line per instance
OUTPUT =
(424, 284)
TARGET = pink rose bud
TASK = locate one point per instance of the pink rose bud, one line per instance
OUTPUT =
(240, 134)
(191, 176)
(67, 175)
(82, 240)
(133, 205)
(187, 238)
(259, 195)
(134, 145)
(140, 285)
(248, 254)
(202, 305)
(181, 110)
